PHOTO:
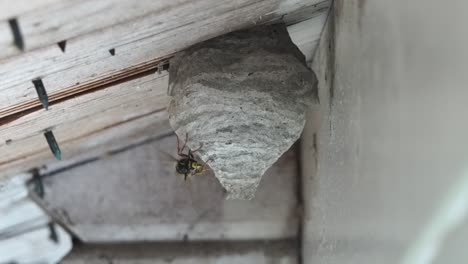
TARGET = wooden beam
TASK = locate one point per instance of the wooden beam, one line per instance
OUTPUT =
(263, 252)
(306, 35)
(138, 45)
(25, 225)
(47, 22)
(86, 123)
(10, 9)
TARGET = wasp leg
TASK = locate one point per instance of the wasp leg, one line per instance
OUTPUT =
(185, 143)
(179, 150)
(178, 144)
(190, 155)
(199, 172)
(201, 145)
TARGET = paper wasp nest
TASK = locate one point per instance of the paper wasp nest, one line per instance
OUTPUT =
(244, 96)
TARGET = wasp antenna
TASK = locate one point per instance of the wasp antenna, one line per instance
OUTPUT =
(185, 142)
(178, 146)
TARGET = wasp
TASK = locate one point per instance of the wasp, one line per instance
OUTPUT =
(187, 165)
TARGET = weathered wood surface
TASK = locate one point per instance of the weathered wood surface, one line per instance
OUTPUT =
(140, 44)
(306, 35)
(24, 228)
(92, 123)
(9, 9)
(86, 122)
(258, 252)
(136, 195)
(47, 22)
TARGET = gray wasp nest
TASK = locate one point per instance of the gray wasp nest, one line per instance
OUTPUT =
(243, 96)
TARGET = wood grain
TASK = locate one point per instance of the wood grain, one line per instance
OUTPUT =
(258, 252)
(85, 123)
(139, 44)
(9, 9)
(24, 225)
(46, 22)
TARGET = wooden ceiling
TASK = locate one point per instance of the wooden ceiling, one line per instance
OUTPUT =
(105, 83)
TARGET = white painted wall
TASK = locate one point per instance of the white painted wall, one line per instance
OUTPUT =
(392, 142)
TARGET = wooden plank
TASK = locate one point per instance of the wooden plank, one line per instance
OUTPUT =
(24, 230)
(35, 246)
(55, 21)
(293, 15)
(10, 9)
(6, 39)
(84, 123)
(45, 23)
(93, 123)
(249, 252)
(306, 34)
(141, 45)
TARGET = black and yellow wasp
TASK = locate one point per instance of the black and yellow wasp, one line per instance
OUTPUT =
(187, 165)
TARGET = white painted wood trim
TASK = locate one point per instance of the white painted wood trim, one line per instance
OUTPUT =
(24, 231)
